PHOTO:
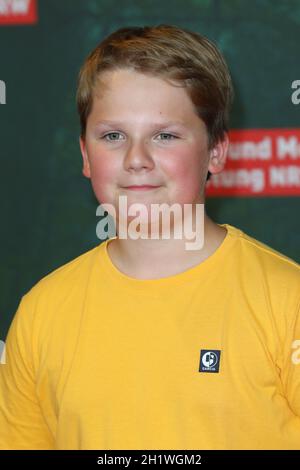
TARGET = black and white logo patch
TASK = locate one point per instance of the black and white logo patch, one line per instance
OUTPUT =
(209, 360)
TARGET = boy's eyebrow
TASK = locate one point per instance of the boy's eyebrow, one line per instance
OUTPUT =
(154, 124)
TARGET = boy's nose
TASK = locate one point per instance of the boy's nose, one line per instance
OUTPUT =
(138, 156)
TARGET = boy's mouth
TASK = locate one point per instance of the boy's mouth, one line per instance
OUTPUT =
(141, 188)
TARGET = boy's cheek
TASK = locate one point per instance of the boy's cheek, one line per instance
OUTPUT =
(102, 194)
(101, 171)
(187, 177)
(103, 185)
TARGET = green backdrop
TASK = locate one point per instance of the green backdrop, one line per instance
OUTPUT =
(47, 206)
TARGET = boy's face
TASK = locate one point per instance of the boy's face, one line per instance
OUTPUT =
(142, 148)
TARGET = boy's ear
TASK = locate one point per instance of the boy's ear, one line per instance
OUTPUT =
(86, 171)
(218, 155)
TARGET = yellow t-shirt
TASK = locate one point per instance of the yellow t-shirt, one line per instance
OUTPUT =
(205, 359)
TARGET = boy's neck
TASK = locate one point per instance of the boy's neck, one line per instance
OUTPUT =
(154, 259)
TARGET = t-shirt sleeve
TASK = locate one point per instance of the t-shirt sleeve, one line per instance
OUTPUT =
(22, 425)
(291, 363)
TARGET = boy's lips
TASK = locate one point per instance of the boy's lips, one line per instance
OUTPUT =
(145, 187)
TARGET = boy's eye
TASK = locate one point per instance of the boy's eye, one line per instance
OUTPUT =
(109, 134)
(118, 133)
(170, 135)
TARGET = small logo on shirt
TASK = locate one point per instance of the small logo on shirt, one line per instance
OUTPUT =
(209, 360)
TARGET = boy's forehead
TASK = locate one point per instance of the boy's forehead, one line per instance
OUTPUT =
(104, 117)
(162, 122)
(116, 75)
(120, 82)
(114, 106)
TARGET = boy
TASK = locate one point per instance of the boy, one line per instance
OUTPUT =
(140, 343)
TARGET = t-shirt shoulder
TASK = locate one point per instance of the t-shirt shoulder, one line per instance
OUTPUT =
(269, 277)
(265, 251)
(69, 274)
(262, 265)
